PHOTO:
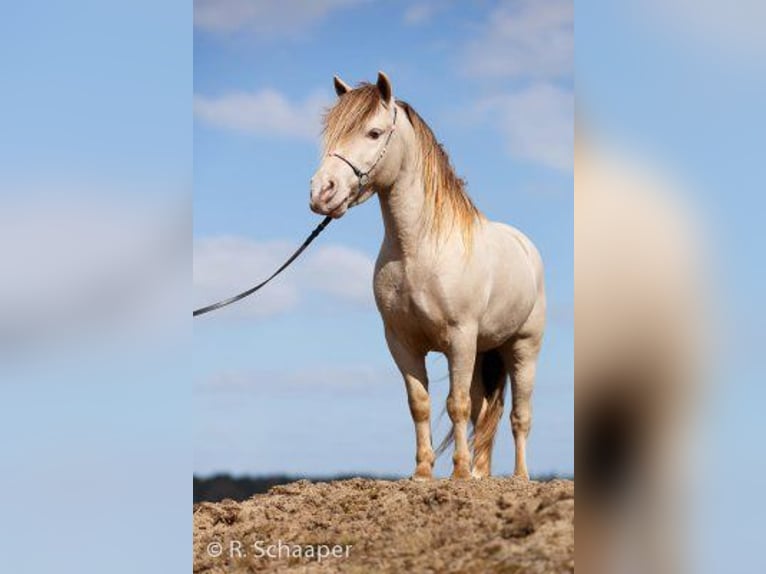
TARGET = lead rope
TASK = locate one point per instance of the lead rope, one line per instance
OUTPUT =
(314, 234)
(362, 176)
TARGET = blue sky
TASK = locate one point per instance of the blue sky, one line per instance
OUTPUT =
(298, 379)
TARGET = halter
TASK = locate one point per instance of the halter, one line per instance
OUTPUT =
(364, 176)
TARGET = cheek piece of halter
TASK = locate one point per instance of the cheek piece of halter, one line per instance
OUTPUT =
(364, 176)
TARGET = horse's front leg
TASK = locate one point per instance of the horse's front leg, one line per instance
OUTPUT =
(412, 365)
(461, 357)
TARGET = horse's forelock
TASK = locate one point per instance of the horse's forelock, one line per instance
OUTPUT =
(350, 113)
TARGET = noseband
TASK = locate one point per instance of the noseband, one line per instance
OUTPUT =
(364, 176)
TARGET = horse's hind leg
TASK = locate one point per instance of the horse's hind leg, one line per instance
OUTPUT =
(520, 355)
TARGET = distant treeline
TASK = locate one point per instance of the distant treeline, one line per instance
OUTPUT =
(222, 486)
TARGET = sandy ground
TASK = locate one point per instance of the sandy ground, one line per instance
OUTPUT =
(363, 526)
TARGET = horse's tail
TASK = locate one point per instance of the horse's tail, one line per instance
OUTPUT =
(492, 378)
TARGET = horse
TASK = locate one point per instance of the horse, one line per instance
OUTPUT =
(446, 280)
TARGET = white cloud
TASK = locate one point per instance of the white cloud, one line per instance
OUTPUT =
(224, 266)
(266, 112)
(342, 272)
(731, 29)
(524, 39)
(264, 17)
(92, 265)
(536, 122)
(419, 13)
(529, 45)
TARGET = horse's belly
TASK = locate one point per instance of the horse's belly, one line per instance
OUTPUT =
(423, 304)
(508, 308)
(499, 325)
(420, 320)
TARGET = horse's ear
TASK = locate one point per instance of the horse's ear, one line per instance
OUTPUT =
(341, 87)
(384, 86)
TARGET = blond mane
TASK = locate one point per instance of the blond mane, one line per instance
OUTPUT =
(449, 205)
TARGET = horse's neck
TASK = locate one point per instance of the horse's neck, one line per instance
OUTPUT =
(402, 207)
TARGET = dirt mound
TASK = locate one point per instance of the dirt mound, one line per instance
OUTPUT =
(362, 526)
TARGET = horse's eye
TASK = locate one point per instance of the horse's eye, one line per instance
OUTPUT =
(374, 134)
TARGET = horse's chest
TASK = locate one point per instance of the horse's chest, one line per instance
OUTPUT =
(406, 300)
(395, 292)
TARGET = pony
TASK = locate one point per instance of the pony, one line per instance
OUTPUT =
(446, 279)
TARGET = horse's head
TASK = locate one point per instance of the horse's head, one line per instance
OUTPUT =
(361, 152)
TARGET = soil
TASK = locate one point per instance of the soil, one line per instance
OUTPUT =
(367, 526)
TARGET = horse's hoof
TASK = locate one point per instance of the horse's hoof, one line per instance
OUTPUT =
(423, 474)
(461, 474)
(421, 477)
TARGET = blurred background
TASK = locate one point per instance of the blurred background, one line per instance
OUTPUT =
(668, 243)
(95, 240)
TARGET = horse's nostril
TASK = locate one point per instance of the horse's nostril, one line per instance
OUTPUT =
(328, 191)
